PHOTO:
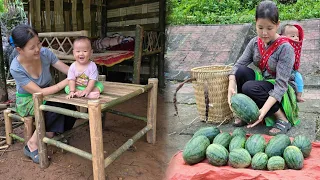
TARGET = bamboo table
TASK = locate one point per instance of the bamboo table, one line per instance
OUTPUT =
(114, 93)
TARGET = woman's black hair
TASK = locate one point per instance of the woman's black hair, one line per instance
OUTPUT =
(267, 10)
(21, 34)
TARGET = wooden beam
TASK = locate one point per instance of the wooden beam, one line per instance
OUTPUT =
(114, 4)
(95, 123)
(40, 130)
(146, 27)
(133, 17)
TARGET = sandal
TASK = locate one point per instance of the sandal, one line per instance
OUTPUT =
(32, 155)
(281, 125)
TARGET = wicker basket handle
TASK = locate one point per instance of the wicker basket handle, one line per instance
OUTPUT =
(175, 93)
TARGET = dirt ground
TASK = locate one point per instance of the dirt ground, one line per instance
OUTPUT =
(143, 161)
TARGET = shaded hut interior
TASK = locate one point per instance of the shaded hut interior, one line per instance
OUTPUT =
(105, 19)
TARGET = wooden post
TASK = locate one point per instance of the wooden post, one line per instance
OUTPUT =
(8, 125)
(95, 125)
(162, 23)
(37, 25)
(104, 19)
(48, 16)
(137, 54)
(28, 128)
(152, 110)
(74, 15)
(58, 15)
(87, 16)
(41, 130)
(152, 65)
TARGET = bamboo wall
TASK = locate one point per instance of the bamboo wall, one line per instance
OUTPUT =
(99, 17)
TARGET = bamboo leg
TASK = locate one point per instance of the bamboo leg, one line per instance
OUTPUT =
(41, 130)
(152, 110)
(8, 126)
(28, 128)
(95, 124)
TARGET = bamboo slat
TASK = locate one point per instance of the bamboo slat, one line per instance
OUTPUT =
(37, 15)
(47, 16)
(64, 34)
(58, 15)
(87, 16)
(74, 15)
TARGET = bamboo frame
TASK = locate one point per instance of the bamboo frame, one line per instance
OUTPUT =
(127, 115)
(95, 122)
(8, 126)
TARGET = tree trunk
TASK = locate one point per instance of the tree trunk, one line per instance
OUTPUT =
(3, 84)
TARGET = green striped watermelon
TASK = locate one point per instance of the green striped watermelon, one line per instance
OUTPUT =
(239, 158)
(217, 155)
(195, 150)
(304, 144)
(237, 142)
(209, 132)
(293, 157)
(223, 138)
(255, 143)
(276, 163)
(259, 161)
(277, 144)
(238, 131)
(244, 108)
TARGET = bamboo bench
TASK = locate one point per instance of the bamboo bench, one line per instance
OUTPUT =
(114, 94)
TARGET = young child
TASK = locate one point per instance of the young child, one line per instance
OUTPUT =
(83, 70)
(295, 33)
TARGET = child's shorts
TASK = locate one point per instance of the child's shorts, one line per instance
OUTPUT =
(97, 84)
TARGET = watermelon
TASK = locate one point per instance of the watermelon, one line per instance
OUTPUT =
(237, 142)
(293, 157)
(276, 163)
(259, 161)
(304, 144)
(239, 158)
(223, 138)
(238, 131)
(209, 132)
(244, 108)
(277, 144)
(195, 150)
(217, 155)
(255, 143)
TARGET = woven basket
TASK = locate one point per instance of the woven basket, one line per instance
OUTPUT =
(215, 80)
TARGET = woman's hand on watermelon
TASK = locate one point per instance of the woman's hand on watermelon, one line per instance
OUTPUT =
(231, 88)
(260, 119)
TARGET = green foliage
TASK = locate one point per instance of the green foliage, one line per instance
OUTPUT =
(234, 11)
(1, 6)
(13, 16)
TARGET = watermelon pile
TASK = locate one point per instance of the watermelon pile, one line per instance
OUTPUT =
(238, 151)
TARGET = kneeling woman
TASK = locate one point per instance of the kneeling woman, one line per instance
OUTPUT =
(270, 87)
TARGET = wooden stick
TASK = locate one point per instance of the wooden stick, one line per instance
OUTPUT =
(2, 142)
(16, 117)
(152, 110)
(2, 137)
(70, 132)
(127, 115)
(126, 146)
(95, 124)
(17, 137)
(4, 147)
(64, 111)
(8, 125)
(69, 148)
(40, 130)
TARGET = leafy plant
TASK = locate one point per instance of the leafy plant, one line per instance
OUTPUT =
(234, 11)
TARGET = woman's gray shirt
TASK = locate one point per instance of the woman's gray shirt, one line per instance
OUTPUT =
(22, 77)
(281, 62)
